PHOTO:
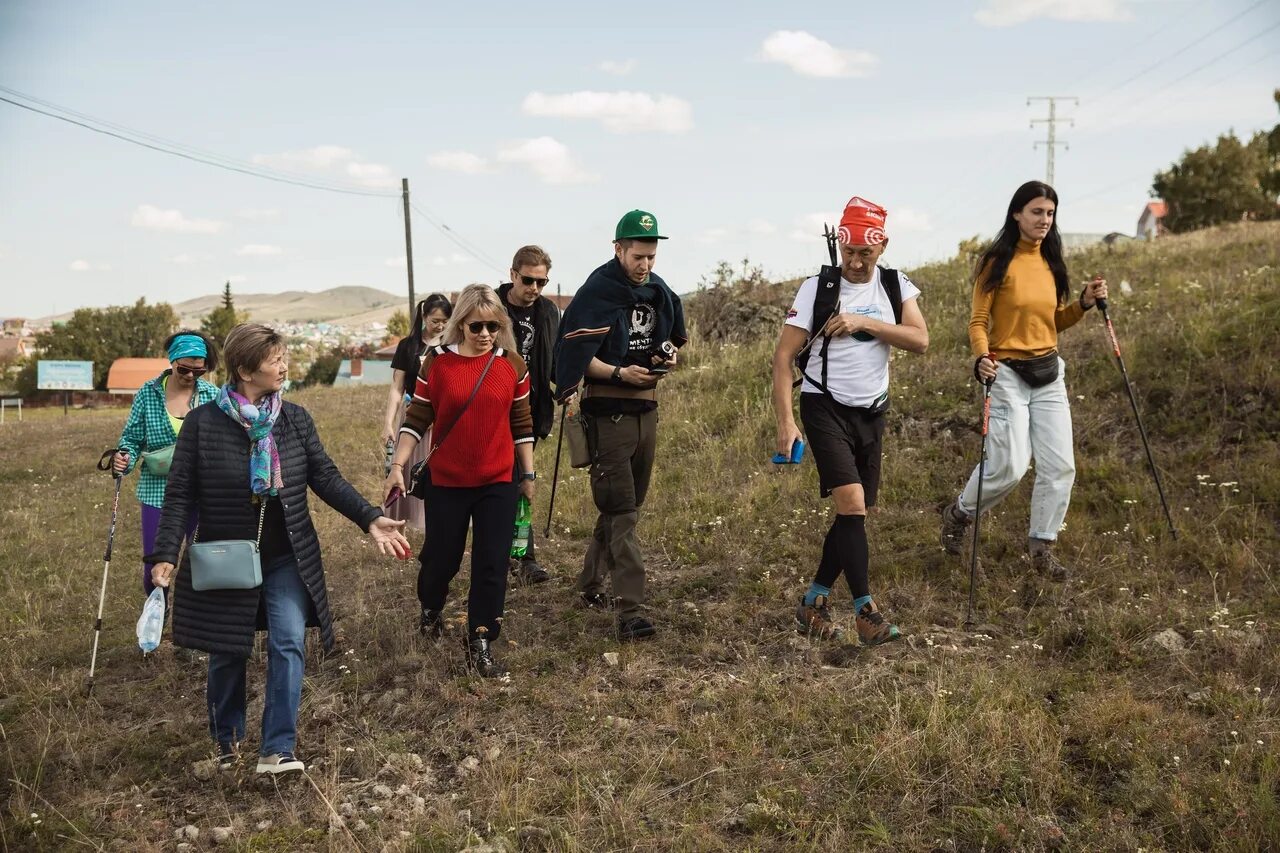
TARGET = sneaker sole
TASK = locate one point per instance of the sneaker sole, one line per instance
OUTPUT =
(896, 635)
(276, 769)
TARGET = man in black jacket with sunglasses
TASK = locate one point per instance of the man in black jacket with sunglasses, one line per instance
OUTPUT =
(535, 319)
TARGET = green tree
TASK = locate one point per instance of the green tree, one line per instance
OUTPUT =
(221, 320)
(397, 326)
(1223, 183)
(324, 369)
(1271, 181)
(102, 335)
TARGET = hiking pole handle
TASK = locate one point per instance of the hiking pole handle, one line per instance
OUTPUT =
(107, 462)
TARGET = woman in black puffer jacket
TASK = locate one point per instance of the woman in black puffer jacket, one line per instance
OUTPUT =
(243, 464)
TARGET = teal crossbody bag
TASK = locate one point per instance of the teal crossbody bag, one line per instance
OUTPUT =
(227, 563)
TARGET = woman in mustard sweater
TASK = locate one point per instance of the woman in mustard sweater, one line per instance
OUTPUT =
(1021, 301)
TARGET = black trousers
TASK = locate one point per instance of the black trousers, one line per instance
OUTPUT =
(490, 513)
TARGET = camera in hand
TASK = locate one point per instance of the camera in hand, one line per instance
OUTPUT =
(665, 351)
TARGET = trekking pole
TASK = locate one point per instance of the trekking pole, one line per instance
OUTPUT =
(105, 464)
(1142, 431)
(977, 513)
(555, 474)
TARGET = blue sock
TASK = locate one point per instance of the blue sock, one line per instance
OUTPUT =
(816, 589)
(861, 602)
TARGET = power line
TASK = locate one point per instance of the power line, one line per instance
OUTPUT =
(457, 239)
(1200, 39)
(197, 157)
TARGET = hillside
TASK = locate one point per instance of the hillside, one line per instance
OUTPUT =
(1136, 706)
(352, 306)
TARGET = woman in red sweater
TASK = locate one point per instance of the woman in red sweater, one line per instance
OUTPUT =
(474, 388)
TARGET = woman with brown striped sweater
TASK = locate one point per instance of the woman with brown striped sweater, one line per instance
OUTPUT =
(1021, 301)
(474, 388)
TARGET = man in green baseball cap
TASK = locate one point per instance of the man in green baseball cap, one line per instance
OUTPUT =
(618, 339)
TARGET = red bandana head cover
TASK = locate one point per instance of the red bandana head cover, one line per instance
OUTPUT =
(862, 223)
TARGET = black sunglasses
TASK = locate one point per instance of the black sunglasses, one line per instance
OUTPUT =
(490, 326)
(530, 281)
(190, 371)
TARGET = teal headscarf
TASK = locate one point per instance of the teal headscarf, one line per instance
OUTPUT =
(188, 346)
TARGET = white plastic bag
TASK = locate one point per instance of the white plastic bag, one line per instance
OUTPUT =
(151, 622)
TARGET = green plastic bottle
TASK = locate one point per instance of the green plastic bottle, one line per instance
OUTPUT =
(524, 524)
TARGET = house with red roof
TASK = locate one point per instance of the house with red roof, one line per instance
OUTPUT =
(1150, 223)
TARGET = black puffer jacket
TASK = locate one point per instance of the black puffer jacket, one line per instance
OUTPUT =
(210, 475)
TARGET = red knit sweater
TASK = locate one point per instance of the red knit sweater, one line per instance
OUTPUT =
(480, 448)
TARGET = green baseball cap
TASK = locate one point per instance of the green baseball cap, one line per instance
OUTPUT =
(637, 225)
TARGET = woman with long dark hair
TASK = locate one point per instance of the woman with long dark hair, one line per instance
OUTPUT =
(1021, 301)
(428, 324)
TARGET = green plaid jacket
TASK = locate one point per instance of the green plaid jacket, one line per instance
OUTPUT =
(148, 429)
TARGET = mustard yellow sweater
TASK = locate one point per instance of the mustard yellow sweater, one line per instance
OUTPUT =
(1021, 318)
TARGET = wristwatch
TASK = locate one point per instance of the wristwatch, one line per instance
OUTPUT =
(617, 374)
(529, 475)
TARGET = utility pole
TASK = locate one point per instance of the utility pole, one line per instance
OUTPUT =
(1052, 142)
(408, 247)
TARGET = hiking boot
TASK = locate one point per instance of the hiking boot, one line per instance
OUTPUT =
(226, 756)
(280, 762)
(431, 625)
(1044, 562)
(481, 658)
(528, 572)
(955, 525)
(872, 627)
(814, 620)
(635, 628)
(595, 601)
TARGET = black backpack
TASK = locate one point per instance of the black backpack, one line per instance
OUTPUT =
(824, 305)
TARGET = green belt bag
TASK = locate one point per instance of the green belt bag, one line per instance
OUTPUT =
(227, 563)
(157, 462)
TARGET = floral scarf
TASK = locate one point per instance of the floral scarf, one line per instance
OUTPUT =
(264, 458)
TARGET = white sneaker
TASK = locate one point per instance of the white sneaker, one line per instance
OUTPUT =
(281, 762)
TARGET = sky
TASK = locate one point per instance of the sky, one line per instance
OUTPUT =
(742, 126)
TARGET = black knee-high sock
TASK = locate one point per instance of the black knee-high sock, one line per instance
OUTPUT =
(852, 552)
(829, 568)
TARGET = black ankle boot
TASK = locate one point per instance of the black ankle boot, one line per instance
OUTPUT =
(480, 656)
(431, 624)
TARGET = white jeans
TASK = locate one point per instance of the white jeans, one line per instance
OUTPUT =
(1028, 423)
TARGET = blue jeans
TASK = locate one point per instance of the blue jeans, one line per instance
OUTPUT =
(287, 604)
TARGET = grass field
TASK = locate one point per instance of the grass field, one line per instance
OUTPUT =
(1133, 707)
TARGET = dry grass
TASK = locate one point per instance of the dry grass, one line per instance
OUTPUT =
(1058, 726)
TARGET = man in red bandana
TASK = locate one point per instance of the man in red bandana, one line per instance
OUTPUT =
(844, 321)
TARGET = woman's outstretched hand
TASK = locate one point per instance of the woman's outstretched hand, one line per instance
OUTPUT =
(388, 537)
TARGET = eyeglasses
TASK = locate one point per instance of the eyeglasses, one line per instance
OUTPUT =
(490, 326)
(530, 281)
(190, 371)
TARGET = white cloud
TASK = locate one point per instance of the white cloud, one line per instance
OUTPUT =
(450, 260)
(150, 216)
(372, 174)
(237, 279)
(713, 235)
(1008, 13)
(187, 258)
(80, 266)
(397, 263)
(547, 158)
(258, 214)
(620, 67)
(761, 228)
(907, 219)
(619, 112)
(460, 161)
(808, 228)
(805, 53)
(258, 250)
(319, 158)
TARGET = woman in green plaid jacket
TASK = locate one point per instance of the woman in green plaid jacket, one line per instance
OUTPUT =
(154, 422)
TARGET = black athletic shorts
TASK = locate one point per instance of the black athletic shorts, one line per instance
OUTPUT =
(845, 443)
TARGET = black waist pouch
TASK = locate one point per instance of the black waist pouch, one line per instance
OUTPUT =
(1036, 372)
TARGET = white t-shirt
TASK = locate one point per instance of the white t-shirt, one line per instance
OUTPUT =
(857, 370)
